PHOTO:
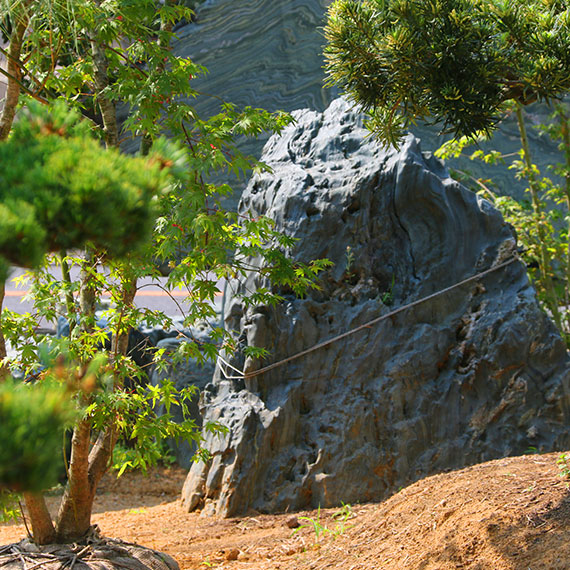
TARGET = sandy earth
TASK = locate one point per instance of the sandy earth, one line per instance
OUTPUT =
(508, 514)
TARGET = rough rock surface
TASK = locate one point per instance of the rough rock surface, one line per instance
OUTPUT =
(474, 374)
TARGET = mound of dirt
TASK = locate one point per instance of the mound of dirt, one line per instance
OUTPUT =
(509, 514)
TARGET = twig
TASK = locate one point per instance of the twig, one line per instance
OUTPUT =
(23, 87)
(25, 521)
(39, 564)
(22, 560)
(70, 561)
(167, 292)
(83, 550)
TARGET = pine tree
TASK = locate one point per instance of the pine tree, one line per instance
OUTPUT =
(459, 63)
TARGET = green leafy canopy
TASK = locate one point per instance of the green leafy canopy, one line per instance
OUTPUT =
(113, 218)
(60, 189)
(29, 415)
(455, 62)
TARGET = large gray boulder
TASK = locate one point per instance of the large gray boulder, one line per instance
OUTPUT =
(473, 374)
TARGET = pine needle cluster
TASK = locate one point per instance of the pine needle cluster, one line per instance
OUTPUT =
(62, 190)
(454, 62)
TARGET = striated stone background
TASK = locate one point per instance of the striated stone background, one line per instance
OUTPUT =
(268, 53)
(262, 53)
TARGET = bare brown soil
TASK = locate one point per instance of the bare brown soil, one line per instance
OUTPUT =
(510, 514)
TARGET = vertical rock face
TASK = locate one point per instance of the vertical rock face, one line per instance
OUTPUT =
(475, 373)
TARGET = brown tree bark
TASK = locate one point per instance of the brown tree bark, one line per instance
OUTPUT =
(69, 300)
(87, 467)
(14, 70)
(101, 81)
(74, 516)
(43, 530)
(120, 343)
(7, 119)
(87, 292)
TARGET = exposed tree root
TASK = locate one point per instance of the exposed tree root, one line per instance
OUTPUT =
(94, 552)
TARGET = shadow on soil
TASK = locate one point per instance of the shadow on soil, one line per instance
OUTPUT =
(538, 540)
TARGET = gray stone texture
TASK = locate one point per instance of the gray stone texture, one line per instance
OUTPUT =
(474, 374)
(268, 54)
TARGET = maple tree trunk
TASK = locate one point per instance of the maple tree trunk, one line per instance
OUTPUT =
(6, 120)
(86, 469)
(120, 342)
(89, 462)
(86, 466)
(74, 517)
(101, 81)
(43, 530)
(14, 72)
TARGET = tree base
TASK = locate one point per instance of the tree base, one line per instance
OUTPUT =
(95, 552)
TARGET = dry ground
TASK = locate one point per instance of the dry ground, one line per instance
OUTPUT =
(510, 514)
